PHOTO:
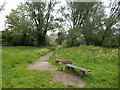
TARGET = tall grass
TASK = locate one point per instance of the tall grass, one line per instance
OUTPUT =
(14, 56)
(102, 61)
(14, 61)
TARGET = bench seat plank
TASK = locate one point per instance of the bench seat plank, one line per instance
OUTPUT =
(80, 68)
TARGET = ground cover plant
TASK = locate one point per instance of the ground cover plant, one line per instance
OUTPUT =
(102, 61)
(15, 74)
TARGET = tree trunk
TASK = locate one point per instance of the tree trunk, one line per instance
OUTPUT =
(41, 41)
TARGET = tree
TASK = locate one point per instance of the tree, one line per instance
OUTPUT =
(20, 26)
(2, 6)
(6, 37)
(84, 23)
(41, 17)
(92, 28)
(30, 22)
(112, 19)
(61, 37)
(90, 21)
(74, 38)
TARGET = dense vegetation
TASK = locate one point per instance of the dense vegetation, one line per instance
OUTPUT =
(28, 24)
(102, 61)
(77, 23)
(89, 24)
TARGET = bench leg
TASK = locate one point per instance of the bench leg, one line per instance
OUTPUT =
(82, 73)
(70, 68)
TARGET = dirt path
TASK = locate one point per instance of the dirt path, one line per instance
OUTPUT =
(41, 64)
(66, 78)
(46, 57)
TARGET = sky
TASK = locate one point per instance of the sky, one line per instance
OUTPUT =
(11, 4)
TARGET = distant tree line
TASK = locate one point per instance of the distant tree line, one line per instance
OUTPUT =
(88, 24)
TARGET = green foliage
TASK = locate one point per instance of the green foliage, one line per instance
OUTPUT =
(19, 28)
(61, 38)
(29, 23)
(90, 21)
(102, 61)
(40, 14)
(111, 40)
(74, 38)
(87, 23)
(6, 37)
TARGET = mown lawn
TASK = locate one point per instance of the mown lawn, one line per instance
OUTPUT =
(102, 61)
(14, 63)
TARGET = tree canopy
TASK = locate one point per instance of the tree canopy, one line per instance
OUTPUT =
(87, 23)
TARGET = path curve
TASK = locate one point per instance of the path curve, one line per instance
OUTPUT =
(46, 57)
(65, 78)
(41, 63)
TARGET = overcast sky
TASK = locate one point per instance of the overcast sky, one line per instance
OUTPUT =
(10, 4)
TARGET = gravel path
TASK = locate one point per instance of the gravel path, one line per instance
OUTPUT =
(41, 64)
(66, 78)
(46, 57)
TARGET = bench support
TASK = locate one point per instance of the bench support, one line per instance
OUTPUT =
(68, 68)
(82, 73)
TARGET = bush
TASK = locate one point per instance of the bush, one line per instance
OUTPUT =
(74, 38)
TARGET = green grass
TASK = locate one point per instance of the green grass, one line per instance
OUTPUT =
(14, 62)
(102, 61)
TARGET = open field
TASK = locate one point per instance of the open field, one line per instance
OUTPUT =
(102, 61)
(15, 59)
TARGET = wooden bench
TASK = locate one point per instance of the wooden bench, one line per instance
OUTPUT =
(72, 67)
(69, 65)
